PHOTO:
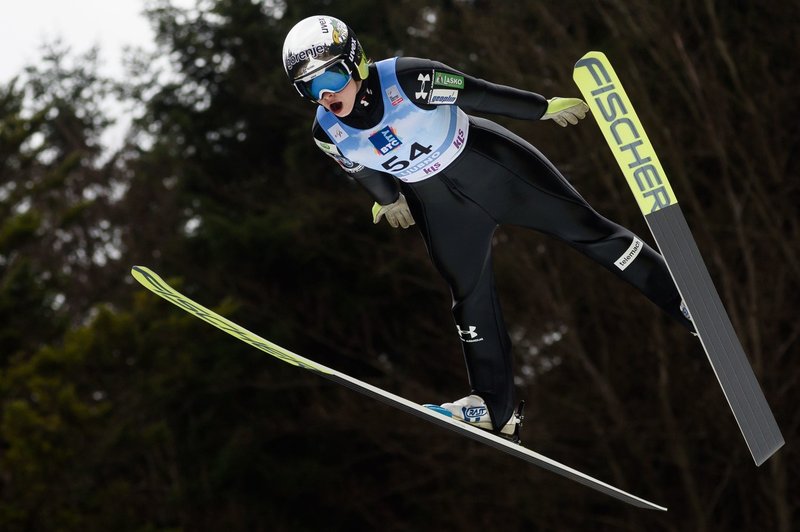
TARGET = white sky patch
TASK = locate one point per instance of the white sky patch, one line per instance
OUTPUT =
(111, 25)
(81, 24)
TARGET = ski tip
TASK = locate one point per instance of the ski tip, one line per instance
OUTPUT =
(145, 276)
(138, 272)
(592, 54)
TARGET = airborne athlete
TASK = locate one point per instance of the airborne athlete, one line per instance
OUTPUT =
(400, 128)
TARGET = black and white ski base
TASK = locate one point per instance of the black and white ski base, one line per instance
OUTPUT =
(716, 333)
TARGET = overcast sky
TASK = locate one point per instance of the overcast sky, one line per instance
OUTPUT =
(111, 24)
(26, 24)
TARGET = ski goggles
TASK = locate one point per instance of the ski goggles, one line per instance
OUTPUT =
(333, 79)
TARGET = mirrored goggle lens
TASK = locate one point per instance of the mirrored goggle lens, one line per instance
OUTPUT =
(333, 79)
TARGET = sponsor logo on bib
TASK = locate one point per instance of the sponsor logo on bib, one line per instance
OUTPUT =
(443, 96)
(337, 133)
(385, 140)
(394, 95)
(445, 79)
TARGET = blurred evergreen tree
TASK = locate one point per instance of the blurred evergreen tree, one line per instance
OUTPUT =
(53, 237)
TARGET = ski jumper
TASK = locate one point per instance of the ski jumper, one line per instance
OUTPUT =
(463, 176)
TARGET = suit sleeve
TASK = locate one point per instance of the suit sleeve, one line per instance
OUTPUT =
(430, 83)
(383, 187)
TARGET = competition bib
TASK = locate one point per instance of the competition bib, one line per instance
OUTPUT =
(410, 143)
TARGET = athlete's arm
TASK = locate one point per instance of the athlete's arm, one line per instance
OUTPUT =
(383, 188)
(430, 83)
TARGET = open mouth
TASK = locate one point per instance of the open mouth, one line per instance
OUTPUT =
(336, 107)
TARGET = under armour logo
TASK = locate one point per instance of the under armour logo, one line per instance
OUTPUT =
(469, 333)
(422, 94)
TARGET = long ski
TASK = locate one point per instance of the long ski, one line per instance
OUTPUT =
(627, 139)
(156, 284)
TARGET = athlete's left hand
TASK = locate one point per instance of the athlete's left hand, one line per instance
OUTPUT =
(397, 214)
(565, 110)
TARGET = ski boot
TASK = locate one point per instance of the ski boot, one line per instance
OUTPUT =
(472, 410)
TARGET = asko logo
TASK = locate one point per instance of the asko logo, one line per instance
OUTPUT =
(385, 140)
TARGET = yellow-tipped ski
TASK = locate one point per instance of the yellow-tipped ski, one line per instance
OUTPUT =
(156, 284)
(625, 135)
(623, 131)
(150, 280)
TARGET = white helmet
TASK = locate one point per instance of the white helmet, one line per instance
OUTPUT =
(318, 44)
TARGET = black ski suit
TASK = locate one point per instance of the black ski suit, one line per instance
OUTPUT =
(498, 178)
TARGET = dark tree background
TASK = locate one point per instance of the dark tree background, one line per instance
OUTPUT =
(120, 412)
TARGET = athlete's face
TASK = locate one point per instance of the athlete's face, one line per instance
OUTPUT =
(341, 103)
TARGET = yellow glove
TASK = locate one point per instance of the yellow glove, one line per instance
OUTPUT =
(563, 110)
(397, 214)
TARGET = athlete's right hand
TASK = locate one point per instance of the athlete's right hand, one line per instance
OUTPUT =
(397, 214)
(564, 110)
